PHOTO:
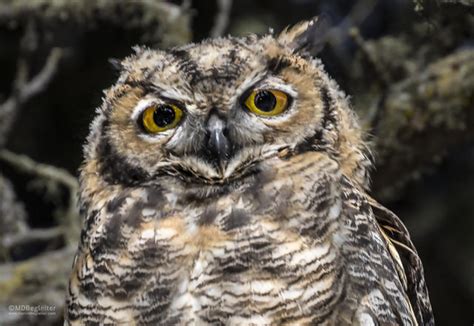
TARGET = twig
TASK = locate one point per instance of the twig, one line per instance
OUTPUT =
(368, 53)
(49, 172)
(338, 34)
(70, 217)
(32, 238)
(42, 79)
(222, 18)
(24, 90)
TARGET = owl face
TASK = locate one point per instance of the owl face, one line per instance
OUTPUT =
(213, 111)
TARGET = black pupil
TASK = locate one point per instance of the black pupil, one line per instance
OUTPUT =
(164, 115)
(265, 101)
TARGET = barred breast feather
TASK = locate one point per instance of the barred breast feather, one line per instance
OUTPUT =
(298, 244)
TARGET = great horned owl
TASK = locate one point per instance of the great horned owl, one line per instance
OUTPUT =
(225, 182)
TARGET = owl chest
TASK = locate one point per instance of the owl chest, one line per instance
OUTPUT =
(264, 250)
(267, 251)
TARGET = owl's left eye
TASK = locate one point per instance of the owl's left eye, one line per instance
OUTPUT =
(158, 118)
(267, 102)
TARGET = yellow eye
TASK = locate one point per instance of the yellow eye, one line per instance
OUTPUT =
(267, 102)
(158, 118)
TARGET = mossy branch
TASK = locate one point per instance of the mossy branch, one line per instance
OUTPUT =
(161, 23)
(421, 118)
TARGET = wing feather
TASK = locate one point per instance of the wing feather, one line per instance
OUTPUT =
(408, 263)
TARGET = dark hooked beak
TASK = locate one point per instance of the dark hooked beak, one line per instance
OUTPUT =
(220, 148)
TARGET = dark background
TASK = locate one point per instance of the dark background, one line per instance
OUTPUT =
(431, 190)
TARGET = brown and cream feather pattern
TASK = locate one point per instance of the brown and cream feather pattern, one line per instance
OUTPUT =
(274, 229)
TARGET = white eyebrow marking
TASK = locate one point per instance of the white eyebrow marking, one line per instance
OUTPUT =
(174, 94)
(141, 106)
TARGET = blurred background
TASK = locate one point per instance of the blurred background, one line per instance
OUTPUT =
(408, 66)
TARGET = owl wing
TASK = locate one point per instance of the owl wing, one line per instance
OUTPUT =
(408, 263)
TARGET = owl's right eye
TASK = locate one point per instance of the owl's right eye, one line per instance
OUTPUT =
(159, 118)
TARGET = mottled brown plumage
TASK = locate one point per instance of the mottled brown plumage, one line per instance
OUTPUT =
(226, 182)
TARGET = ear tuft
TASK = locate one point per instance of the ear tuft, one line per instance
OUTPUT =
(307, 37)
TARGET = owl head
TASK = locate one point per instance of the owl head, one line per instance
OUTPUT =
(215, 111)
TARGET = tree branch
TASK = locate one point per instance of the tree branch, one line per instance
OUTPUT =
(222, 18)
(159, 22)
(24, 90)
(423, 116)
(44, 171)
(38, 281)
(51, 176)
